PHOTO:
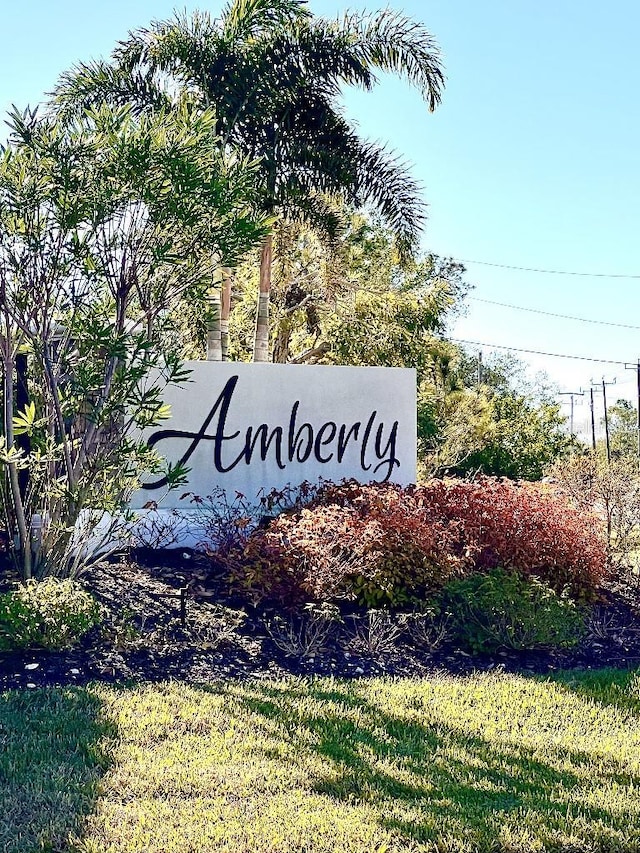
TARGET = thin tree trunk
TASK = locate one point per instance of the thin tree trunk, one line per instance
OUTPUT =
(282, 342)
(225, 310)
(214, 340)
(92, 430)
(54, 389)
(16, 496)
(261, 337)
(22, 401)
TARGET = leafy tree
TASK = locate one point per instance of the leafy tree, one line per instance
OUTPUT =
(356, 302)
(107, 224)
(510, 436)
(614, 490)
(623, 430)
(504, 372)
(490, 418)
(452, 425)
(273, 73)
(393, 329)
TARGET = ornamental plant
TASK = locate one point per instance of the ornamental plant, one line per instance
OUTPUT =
(372, 544)
(108, 225)
(500, 609)
(52, 614)
(382, 545)
(526, 527)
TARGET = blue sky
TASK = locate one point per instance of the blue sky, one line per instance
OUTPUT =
(532, 160)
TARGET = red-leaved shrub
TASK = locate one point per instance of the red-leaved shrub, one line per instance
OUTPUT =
(528, 527)
(382, 544)
(372, 543)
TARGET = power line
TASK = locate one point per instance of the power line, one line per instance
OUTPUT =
(553, 314)
(550, 272)
(537, 352)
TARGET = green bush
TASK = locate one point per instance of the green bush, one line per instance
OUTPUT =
(502, 609)
(53, 614)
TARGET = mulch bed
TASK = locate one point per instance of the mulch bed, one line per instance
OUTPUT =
(143, 638)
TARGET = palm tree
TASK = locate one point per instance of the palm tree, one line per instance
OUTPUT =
(273, 73)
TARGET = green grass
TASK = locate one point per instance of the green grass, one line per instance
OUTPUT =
(53, 750)
(483, 763)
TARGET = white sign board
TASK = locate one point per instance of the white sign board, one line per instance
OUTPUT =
(252, 427)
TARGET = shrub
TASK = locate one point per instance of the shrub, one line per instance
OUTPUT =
(308, 634)
(527, 527)
(502, 609)
(51, 613)
(367, 543)
(430, 627)
(376, 633)
(384, 545)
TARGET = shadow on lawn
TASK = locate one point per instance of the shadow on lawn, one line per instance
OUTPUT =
(619, 688)
(434, 784)
(51, 761)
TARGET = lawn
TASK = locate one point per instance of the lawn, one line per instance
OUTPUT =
(477, 763)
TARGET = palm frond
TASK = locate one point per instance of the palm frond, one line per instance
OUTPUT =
(152, 46)
(88, 85)
(321, 52)
(395, 43)
(246, 19)
(383, 180)
(319, 211)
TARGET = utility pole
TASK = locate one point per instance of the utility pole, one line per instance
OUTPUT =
(593, 421)
(606, 417)
(636, 367)
(572, 395)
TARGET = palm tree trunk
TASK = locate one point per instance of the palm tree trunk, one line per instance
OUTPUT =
(214, 338)
(261, 337)
(225, 310)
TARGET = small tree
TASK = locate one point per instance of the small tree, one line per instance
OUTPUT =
(613, 492)
(623, 430)
(107, 226)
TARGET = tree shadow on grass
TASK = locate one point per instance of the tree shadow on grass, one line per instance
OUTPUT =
(52, 757)
(619, 688)
(439, 784)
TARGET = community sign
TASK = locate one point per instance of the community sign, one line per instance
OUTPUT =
(252, 427)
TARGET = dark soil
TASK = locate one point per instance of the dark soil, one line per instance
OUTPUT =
(143, 637)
